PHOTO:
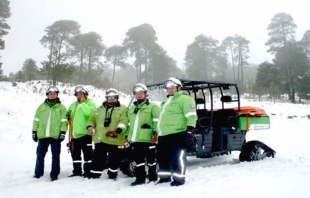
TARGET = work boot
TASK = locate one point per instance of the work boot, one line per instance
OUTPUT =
(138, 182)
(37, 176)
(75, 175)
(166, 180)
(54, 178)
(177, 183)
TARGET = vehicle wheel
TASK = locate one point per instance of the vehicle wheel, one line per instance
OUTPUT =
(251, 151)
(128, 167)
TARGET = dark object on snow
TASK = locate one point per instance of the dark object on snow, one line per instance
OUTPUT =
(252, 151)
(308, 116)
(290, 117)
(14, 84)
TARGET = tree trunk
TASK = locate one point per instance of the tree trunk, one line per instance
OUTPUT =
(81, 66)
(241, 68)
(232, 61)
(204, 63)
(239, 63)
(89, 63)
(57, 63)
(114, 64)
(146, 65)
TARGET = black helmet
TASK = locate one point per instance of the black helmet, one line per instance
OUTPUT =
(52, 89)
(80, 89)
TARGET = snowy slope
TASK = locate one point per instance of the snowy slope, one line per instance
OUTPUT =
(287, 175)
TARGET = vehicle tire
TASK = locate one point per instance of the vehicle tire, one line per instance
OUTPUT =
(128, 167)
(251, 151)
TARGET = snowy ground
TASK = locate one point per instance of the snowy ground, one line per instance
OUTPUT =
(287, 175)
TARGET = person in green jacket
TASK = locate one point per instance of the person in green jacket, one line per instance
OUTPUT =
(176, 122)
(107, 124)
(143, 117)
(49, 127)
(78, 114)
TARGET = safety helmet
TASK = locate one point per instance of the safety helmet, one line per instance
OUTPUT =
(52, 89)
(80, 89)
(139, 87)
(111, 92)
(173, 82)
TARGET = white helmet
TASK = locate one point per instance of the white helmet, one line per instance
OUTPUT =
(173, 82)
(111, 92)
(80, 89)
(52, 89)
(139, 87)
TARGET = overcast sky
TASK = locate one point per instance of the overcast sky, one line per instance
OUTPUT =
(177, 23)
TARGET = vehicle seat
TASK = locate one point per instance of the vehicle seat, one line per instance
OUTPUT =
(226, 99)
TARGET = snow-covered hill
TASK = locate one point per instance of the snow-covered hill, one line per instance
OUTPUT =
(287, 175)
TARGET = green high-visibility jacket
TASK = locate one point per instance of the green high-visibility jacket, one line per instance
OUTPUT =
(49, 121)
(79, 114)
(177, 112)
(118, 115)
(142, 121)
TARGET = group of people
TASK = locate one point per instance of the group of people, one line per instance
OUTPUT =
(157, 135)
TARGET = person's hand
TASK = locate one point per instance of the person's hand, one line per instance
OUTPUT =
(34, 136)
(91, 130)
(190, 139)
(154, 137)
(82, 99)
(62, 136)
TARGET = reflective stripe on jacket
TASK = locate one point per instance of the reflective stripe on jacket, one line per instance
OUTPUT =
(118, 120)
(177, 112)
(49, 121)
(80, 113)
(143, 122)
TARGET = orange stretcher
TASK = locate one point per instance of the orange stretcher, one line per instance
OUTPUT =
(248, 110)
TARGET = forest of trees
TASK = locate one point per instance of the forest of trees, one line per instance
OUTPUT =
(83, 58)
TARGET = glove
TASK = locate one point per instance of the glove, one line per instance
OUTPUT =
(154, 137)
(190, 139)
(34, 136)
(114, 134)
(62, 136)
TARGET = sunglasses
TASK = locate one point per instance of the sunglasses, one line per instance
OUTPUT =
(111, 97)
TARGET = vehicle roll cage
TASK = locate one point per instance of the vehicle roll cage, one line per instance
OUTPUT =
(193, 86)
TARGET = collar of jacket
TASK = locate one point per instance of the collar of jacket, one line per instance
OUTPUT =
(105, 104)
(147, 102)
(84, 101)
(176, 94)
(57, 100)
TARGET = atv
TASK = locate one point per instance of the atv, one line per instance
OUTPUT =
(222, 122)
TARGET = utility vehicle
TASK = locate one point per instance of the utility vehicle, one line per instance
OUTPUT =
(222, 123)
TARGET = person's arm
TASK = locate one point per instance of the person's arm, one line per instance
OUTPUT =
(189, 110)
(123, 121)
(88, 107)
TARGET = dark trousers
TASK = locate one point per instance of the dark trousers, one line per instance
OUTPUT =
(171, 157)
(41, 152)
(141, 152)
(82, 144)
(100, 158)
